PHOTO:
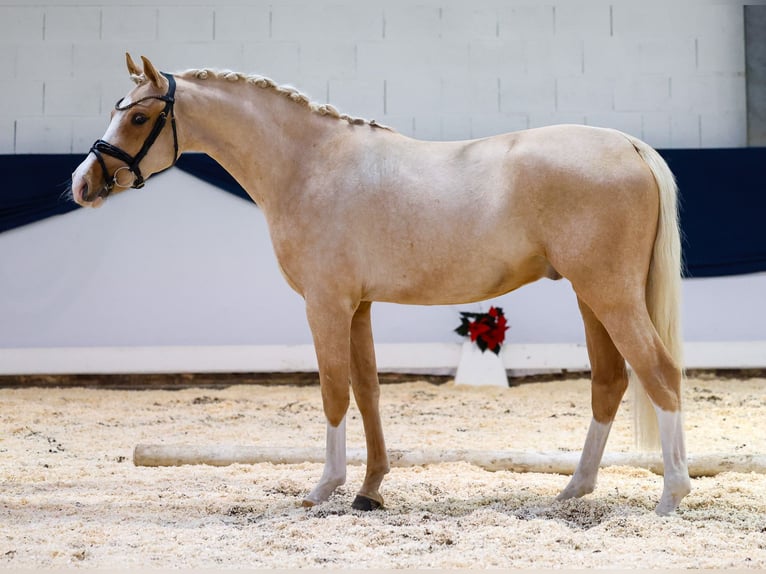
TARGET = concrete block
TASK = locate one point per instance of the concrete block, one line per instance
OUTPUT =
(21, 24)
(185, 24)
(427, 127)
(493, 124)
(466, 22)
(723, 129)
(497, 57)
(43, 135)
(180, 56)
(134, 24)
(628, 122)
(607, 56)
(8, 59)
(403, 124)
(65, 23)
(277, 60)
(559, 56)
(581, 19)
(685, 130)
(540, 119)
(527, 94)
(525, 21)
(456, 127)
(45, 60)
(312, 21)
(21, 97)
(469, 95)
(416, 23)
(72, 97)
(651, 19)
(721, 54)
(668, 55)
(708, 93)
(413, 96)
(7, 135)
(391, 59)
(86, 130)
(363, 98)
(642, 93)
(584, 94)
(655, 127)
(250, 23)
(109, 63)
(331, 60)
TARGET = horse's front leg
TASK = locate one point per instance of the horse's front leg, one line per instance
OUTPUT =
(364, 381)
(330, 322)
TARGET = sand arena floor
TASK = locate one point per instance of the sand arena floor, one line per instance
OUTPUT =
(70, 495)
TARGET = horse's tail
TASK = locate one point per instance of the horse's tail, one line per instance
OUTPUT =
(663, 289)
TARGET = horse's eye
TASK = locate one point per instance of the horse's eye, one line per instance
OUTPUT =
(139, 119)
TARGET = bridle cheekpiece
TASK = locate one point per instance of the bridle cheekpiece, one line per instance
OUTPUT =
(102, 147)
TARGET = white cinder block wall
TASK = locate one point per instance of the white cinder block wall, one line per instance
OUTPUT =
(180, 263)
(671, 72)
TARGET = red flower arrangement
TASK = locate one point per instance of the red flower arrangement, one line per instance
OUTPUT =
(487, 330)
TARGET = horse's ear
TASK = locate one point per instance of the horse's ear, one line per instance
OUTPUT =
(151, 72)
(132, 68)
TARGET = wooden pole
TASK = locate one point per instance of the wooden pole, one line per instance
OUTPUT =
(552, 462)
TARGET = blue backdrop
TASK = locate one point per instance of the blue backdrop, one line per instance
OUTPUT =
(722, 198)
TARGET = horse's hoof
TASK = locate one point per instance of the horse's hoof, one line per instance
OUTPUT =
(308, 503)
(364, 503)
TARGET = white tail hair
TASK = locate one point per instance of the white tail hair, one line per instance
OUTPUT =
(663, 290)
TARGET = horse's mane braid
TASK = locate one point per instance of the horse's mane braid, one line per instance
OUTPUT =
(287, 91)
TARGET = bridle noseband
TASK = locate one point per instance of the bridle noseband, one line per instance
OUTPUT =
(104, 147)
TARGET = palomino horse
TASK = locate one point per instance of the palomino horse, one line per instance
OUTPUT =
(359, 213)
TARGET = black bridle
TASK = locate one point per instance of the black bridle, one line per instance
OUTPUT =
(102, 147)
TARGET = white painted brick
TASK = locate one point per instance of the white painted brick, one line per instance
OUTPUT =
(412, 22)
(358, 97)
(585, 94)
(719, 19)
(22, 97)
(413, 96)
(63, 24)
(21, 24)
(427, 127)
(107, 62)
(403, 124)
(249, 23)
(525, 21)
(330, 60)
(490, 125)
(466, 21)
(581, 19)
(708, 93)
(277, 60)
(187, 24)
(527, 94)
(669, 55)
(134, 24)
(540, 119)
(43, 135)
(310, 20)
(606, 56)
(496, 57)
(642, 93)
(558, 56)
(628, 122)
(467, 95)
(7, 135)
(651, 19)
(723, 129)
(180, 56)
(655, 129)
(45, 60)
(8, 58)
(86, 130)
(72, 97)
(685, 130)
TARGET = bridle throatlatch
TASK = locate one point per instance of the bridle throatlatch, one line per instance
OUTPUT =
(101, 147)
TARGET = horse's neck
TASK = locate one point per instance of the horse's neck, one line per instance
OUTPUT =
(258, 135)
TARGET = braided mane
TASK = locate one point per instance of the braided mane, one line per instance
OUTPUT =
(287, 91)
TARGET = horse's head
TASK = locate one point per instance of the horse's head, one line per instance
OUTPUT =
(140, 140)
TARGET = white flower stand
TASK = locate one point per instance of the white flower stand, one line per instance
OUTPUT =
(477, 368)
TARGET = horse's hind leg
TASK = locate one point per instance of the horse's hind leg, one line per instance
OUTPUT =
(364, 382)
(608, 384)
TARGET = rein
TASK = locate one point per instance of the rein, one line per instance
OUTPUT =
(102, 147)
